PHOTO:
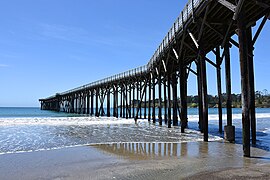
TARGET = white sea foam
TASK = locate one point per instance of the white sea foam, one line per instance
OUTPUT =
(84, 121)
(266, 130)
(64, 121)
(211, 139)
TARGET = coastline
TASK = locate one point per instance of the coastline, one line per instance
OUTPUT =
(192, 160)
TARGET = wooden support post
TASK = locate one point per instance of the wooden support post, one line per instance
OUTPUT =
(72, 104)
(228, 84)
(169, 102)
(116, 101)
(149, 98)
(88, 102)
(229, 130)
(145, 84)
(245, 84)
(251, 85)
(76, 103)
(79, 104)
(92, 102)
(160, 100)
(121, 101)
(174, 91)
(154, 100)
(140, 103)
(130, 101)
(183, 97)
(199, 85)
(97, 95)
(102, 97)
(138, 94)
(165, 100)
(126, 99)
(204, 94)
(108, 103)
(84, 102)
(140, 99)
(124, 106)
(133, 102)
(218, 63)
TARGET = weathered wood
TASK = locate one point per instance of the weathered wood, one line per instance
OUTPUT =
(116, 102)
(140, 102)
(154, 99)
(183, 97)
(218, 62)
(97, 94)
(145, 105)
(243, 57)
(174, 92)
(121, 101)
(92, 102)
(204, 94)
(149, 98)
(169, 102)
(260, 29)
(251, 85)
(130, 100)
(138, 93)
(133, 103)
(108, 103)
(160, 100)
(126, 101)
(228, 84)
(165, 100)
(199, 86)
(88, 103)
(140, 97)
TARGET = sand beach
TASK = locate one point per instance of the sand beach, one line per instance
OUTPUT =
(191, 160)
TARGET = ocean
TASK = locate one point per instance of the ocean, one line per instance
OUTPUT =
(30, 129)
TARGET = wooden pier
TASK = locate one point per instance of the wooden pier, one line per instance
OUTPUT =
(203, 26)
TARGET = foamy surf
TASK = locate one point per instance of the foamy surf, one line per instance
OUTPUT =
(84, 121)
(19, 135)
(64, 121)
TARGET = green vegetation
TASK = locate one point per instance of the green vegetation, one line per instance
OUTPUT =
(262, 100)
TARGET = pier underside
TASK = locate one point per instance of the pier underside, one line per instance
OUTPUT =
(202, 27)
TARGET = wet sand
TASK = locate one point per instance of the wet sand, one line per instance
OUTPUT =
(192, 160)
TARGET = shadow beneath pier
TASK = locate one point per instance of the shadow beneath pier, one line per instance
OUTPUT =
(262, 142)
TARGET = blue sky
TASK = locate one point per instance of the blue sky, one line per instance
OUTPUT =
(49, 46)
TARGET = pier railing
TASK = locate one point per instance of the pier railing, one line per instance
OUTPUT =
(177, 28)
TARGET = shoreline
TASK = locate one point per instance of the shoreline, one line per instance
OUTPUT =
(190, 160)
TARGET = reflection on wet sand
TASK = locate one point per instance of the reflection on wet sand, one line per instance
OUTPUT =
(148, 150)
(213, 154)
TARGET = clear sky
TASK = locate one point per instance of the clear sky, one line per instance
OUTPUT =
(49, 46)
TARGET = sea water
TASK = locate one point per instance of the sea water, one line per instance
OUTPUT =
(30, 129)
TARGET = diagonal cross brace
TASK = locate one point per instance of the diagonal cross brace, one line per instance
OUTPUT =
(228, 5)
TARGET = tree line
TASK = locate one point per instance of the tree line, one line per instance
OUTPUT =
(262, 100)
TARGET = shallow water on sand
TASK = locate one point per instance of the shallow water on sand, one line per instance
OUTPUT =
(24, 134)
(24, 130)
